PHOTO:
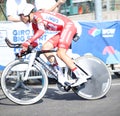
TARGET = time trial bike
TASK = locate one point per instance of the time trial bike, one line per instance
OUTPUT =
(18, 74)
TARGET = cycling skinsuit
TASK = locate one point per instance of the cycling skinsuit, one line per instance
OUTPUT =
(44, 20)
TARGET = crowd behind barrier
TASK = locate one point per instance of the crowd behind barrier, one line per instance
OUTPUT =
(101, 39)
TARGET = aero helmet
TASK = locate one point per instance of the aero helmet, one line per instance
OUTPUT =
(25, 9)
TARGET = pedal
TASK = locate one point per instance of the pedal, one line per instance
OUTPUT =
(67, 88)
(68, 84)
(88, 77)
(63, 88)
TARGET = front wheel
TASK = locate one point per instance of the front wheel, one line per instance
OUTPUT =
(100, 82)
(20, 91)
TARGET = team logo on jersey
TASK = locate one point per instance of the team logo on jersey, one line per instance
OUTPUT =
(50, 18)
(53, 19)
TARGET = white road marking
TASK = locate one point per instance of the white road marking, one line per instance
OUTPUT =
(115, 84)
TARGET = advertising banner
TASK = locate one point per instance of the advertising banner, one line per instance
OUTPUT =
(16, 33)
(101, 39)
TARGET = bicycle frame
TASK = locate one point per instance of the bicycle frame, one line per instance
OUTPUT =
(36, 60)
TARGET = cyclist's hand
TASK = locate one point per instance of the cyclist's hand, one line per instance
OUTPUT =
(20, 54)
(61, 1)
(25, 46)
(34, 44)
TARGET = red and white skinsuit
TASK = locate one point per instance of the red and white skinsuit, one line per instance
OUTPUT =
(44, 20)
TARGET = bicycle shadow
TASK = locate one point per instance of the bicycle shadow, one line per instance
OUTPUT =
(52, 93)
(56, 94)
(5, 101)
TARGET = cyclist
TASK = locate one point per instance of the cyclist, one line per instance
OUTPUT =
(43, 20)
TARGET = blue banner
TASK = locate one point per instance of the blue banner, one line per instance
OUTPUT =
(101, 39)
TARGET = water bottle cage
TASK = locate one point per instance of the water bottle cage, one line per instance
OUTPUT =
(76, 37)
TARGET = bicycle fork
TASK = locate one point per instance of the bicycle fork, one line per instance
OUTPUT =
(31, 61)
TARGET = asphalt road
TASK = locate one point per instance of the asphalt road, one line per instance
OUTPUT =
(57, 103)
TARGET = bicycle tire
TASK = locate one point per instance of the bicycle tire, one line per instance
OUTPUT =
(23, 92)
(100, 82)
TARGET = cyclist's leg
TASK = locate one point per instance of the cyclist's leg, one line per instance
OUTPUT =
(48, 45)
(64, 42)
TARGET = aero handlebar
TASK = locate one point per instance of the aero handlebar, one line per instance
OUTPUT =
(12, 45)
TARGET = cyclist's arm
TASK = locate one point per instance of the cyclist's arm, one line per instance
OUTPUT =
(54, 8)
(37, 35)
(57, 6)
(14, 19)
(38, 31)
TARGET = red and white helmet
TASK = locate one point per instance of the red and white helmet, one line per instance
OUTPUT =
(25, 9)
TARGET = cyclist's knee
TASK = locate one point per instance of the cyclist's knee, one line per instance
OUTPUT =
(61, 53)
(47, 46)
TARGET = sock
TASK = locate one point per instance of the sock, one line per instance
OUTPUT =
(78, 73)
(59, 71)
(57, 68)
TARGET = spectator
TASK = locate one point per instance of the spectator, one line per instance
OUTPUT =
(1, 1)
(50, 5)
(12, 9)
